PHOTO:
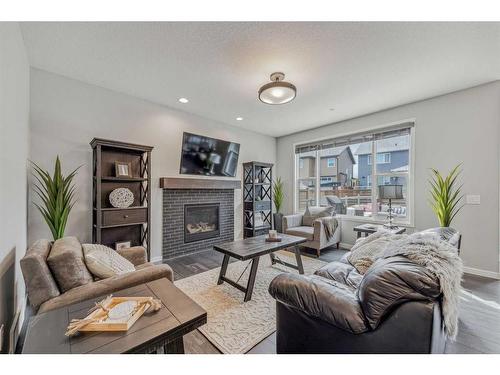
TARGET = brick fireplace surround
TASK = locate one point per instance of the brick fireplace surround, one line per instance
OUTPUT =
(178, 192)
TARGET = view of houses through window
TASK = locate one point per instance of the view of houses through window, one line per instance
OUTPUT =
(345, 177)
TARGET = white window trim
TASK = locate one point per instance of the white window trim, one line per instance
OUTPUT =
(410, 219)
(328, 162)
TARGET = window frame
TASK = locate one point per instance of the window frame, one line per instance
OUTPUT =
(409, 175)
(333, 159)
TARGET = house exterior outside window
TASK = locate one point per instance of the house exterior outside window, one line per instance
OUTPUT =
(348, 174)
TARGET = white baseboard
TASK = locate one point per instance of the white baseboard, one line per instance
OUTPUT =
(484, 273)
(157, 259)
(347, 246)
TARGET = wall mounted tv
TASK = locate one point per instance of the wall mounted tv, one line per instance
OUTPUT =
(208, 156)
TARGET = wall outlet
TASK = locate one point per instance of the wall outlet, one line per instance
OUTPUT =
(473, 199)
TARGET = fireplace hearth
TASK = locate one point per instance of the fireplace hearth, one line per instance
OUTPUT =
(201, 221)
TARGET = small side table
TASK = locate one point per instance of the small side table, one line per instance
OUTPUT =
(368, 229)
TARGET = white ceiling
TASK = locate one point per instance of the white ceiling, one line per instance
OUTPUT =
(355, 68)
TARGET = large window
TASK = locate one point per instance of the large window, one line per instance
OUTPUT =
(352, 182)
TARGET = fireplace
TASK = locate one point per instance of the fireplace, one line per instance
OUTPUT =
(201, 221)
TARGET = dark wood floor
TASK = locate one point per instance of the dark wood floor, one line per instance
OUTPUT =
(479, 324)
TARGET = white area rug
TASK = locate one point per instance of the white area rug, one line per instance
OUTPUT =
(234, 326)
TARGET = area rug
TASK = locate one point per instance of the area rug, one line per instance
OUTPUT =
(234, 326)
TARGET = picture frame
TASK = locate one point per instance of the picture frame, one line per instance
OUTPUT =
(123, 169)
(120, 245)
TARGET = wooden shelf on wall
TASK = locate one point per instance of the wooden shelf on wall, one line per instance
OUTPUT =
(111, 224)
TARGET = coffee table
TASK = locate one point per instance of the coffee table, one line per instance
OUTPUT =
(253, 248)
(158, 332)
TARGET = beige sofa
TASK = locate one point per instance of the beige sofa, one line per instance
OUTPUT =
(45, 294)
(315, 234)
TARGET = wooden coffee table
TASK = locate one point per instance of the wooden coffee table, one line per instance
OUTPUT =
(158, 332)
(253, 248)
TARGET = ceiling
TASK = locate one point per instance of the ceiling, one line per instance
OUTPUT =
(353, 68)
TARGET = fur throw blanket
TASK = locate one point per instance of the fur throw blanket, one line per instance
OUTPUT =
(426, 250)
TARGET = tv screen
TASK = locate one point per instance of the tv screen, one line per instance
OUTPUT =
(208, 156)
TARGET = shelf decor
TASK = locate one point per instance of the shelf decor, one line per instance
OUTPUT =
(257, 198)
(121, 201)
(121, 198)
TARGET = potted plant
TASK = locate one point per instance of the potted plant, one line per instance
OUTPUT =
(57, 196)
(278, 196)
(446, 195)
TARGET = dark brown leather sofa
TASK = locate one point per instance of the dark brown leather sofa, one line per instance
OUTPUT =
(395, 307)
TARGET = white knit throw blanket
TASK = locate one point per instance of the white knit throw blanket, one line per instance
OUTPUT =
(439, 257)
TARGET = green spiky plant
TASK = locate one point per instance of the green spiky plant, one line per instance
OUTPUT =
(57, 194)
(278, 194)
(446, 195)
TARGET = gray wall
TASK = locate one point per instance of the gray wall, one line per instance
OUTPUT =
(14, 139)
(458, 127)
(66, 114)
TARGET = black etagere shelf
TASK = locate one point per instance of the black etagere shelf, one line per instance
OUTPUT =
(111, 225)
(257, 198)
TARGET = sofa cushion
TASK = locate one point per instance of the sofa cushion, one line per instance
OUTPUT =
(40, 283)
(104, 262)
(391, 282)
(341, 272)
(147, 272)
(68, 265)
(313, 213)
(303, 231)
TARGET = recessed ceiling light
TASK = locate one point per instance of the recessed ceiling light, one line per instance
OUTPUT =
(239, 118)
(277, 91)
(183, 100)
(332, 109)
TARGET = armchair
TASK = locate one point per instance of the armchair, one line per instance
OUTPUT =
(315, 234)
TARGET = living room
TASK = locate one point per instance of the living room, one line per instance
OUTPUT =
(250, 187)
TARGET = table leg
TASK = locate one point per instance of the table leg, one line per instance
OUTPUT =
(251, 279)
(299, 260)
(223, 269)
(175, 346)
(273, 259)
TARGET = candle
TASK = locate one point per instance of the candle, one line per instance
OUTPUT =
(273, 233)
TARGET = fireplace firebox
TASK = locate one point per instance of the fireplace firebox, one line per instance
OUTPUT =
(201, 221)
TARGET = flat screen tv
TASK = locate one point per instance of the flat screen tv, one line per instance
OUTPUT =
(208, 156)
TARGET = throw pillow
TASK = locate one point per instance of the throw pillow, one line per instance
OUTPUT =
(313, 213)
(105, 262)
(67, 264)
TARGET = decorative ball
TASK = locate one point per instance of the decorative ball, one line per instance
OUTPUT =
(121, 198)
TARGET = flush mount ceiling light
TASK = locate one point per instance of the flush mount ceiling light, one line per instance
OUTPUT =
(183, 100)
(277, 91)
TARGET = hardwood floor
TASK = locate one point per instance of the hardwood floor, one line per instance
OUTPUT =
(479, 309)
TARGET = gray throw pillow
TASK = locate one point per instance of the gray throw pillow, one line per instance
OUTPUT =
(67, 264)
(105, 262)
(313, 213)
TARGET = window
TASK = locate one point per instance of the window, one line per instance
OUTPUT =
(382, 158)
(355, 192)
(301, 164)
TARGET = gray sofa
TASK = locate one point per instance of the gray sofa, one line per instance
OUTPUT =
(45, 294)
(315, 234)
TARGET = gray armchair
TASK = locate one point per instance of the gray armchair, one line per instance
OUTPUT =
(315, 234)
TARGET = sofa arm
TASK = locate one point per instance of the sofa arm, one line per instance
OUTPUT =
(291, 221)
(107, 286)
(320, 298)
(137, 255)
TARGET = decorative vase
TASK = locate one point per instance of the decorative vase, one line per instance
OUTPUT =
(278, 222)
